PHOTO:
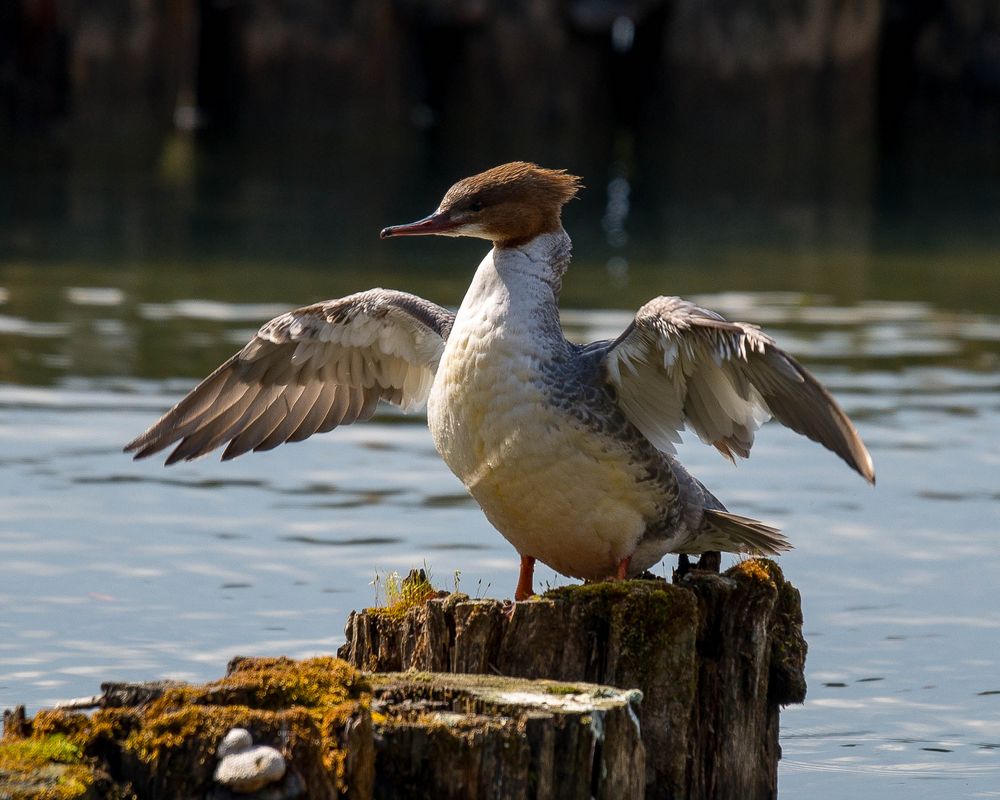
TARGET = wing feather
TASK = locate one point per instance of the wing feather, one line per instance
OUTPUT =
(291, 421)
(680, 364)
(212, 433)
(340, 412)
(325, 402)
(258, 430)
(310, 370)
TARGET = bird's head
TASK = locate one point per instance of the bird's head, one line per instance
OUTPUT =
(508, 205)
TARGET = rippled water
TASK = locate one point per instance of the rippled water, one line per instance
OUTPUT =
(113, 569)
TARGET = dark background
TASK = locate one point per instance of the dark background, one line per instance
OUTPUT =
(256, 129)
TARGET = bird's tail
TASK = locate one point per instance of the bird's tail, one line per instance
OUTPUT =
(736, 534)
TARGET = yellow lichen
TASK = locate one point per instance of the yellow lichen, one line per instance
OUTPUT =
(281, 682)
(84, 730)
(756, 569)
(318, 694)
(164, 730)
(296, 702)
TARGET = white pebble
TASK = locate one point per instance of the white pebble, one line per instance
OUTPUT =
(236, 741)
(250, 770)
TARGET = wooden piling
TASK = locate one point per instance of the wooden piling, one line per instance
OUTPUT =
(715, 657)
(625, 690)
(341, 734)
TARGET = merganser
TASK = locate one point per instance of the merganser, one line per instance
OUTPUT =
(568, 449)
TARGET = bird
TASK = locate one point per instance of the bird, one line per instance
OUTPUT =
(568, 448)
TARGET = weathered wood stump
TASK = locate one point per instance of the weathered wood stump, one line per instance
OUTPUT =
(715, 657)
(338, 732)
(499, 701)
(486, 736)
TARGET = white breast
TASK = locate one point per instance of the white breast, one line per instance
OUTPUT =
(488, 379)
(548, 485)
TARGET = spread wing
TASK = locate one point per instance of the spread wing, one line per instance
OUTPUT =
(308, 371)
(678, 363)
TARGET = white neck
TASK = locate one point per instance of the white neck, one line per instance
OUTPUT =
(518, 287)
(547, 255)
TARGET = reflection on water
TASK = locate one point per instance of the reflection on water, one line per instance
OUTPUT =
(122, 570)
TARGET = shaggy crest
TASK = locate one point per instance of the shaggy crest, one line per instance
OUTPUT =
(508, 205)
(518, 179)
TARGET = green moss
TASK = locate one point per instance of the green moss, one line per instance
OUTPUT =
(607, 590)
(402, 595)
(40, 750)
(297, 701)
(46, 767)
(310, 696)
(650, 613)
(653, 612)
(561, 688)
(85, 731)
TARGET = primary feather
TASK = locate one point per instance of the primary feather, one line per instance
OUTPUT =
(308, 371)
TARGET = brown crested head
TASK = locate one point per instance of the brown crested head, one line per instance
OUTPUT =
(509, 205)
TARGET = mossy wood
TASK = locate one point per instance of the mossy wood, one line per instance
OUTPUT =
(158, 740)
(715, 657)
(343, 734)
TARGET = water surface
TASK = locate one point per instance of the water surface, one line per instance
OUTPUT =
(114, 569)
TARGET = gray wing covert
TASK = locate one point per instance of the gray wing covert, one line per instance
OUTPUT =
(680, 364)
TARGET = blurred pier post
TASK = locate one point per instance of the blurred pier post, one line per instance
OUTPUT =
(809, 66)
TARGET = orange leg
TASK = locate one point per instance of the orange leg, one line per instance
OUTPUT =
(621, 572)
(524, 580)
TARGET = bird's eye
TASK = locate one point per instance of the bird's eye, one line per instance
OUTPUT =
(476, 205)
